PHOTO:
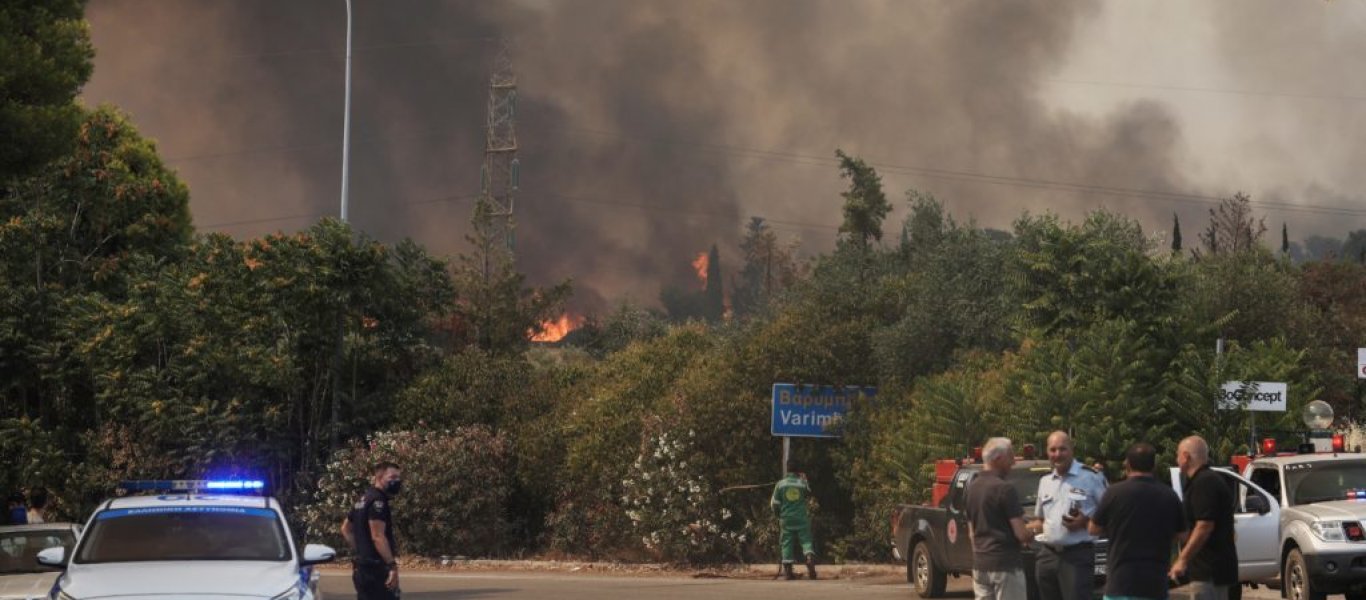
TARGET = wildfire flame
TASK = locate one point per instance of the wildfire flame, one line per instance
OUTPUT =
(554, 331)
(699, 264)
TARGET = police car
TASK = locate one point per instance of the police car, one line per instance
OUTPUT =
(203, 539)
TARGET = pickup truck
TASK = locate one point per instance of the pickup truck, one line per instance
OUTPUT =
(1300, 522)
(933, 541)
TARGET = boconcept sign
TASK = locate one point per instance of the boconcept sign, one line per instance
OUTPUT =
(1265, 396)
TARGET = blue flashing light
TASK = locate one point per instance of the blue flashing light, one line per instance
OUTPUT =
(234, 484)
(192, 485)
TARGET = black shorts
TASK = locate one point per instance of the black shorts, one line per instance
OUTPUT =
(369, 580)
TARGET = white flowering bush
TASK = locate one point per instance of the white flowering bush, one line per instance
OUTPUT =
(673, 509)
(455, 486)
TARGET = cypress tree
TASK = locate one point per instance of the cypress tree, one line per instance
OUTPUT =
(1176, 234)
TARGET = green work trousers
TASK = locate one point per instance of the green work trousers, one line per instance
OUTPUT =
(795, 532)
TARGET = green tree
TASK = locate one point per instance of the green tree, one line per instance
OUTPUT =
(949, 297)
(1195, 380)
(73, 228)
(45, 58)
(226, 357)
(865, 206)
(628, 323)
(471, 387)
(1250, 296)
(1067, 277)
(770, 267)
(494, 301)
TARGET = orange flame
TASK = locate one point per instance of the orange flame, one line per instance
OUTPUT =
(554, 331)
(700, 265)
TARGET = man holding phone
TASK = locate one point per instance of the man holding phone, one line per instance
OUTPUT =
(1065, 565)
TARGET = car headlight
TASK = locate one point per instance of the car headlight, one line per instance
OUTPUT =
(1328, 531)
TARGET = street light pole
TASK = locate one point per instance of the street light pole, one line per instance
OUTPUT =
(346, 119)
(334, 430)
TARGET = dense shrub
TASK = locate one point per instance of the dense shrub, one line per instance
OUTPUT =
(455, 484)
(672, 507)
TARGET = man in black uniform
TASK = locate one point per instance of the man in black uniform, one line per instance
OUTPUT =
(369, 531)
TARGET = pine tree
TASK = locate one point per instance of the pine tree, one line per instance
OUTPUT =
(1285, 239)
(865, 206)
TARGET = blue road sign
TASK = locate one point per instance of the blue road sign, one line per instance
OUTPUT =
(813, 410)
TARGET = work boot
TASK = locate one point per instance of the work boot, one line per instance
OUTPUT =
(787, 572)
(811, 566)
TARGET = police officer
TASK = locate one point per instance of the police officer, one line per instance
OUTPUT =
(369, 531)
(789, 506)
(1068, 496)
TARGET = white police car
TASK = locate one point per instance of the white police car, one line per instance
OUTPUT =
(198, 539)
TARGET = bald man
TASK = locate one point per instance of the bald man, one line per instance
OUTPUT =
(1067, 497)
(1209, 557)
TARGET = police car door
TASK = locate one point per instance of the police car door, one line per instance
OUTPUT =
(1256, 525)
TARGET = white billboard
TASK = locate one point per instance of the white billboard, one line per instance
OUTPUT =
(1265, 396)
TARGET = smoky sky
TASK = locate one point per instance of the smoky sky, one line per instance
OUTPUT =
(648, 130)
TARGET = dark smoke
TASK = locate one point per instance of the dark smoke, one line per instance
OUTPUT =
(649, 129)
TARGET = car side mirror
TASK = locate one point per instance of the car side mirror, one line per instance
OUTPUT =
(53, 557)
(1258, 503)
(317, 554)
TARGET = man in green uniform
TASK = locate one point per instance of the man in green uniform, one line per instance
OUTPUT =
(789, 505)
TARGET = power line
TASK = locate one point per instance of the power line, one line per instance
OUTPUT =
(668, 209)
(970, 176)
(828, 162)
(331, 51)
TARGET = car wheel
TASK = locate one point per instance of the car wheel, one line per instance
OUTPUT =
(928, 580)
(1295, 579)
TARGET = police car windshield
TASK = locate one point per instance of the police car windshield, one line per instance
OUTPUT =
(1323, 481)
(19, 549)
(184, 533)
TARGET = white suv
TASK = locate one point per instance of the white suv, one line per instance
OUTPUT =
(198, 542)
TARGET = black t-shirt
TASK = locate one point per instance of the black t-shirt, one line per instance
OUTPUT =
(373, 506)
(1141, 517)
(1209, 498)
(991, 503)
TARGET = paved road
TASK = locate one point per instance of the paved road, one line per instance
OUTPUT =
(536, 586)
(526, 586)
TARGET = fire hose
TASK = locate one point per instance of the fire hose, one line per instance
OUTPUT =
(747, 487)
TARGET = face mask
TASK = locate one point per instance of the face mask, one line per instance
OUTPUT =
(392, 488)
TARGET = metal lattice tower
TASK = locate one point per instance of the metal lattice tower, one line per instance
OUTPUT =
(499, 173)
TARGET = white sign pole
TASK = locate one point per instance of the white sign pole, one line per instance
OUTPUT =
(787, 450)
(1361, 363)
